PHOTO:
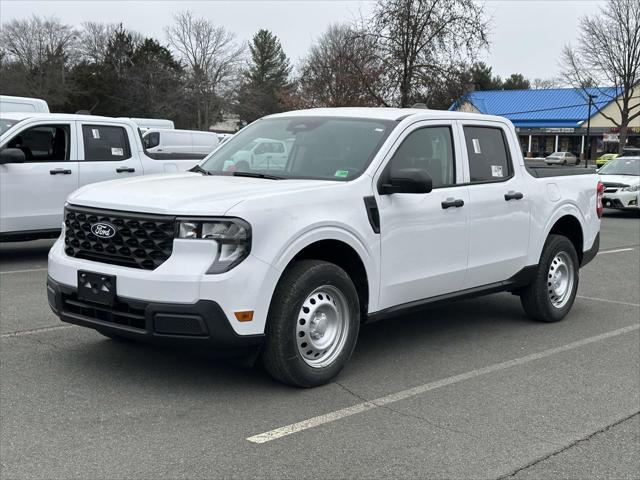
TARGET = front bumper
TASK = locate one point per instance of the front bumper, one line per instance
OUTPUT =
(200, 324)
(180, 282)
(621, 200)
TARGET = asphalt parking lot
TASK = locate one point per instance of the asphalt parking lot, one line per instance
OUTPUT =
(469, 390)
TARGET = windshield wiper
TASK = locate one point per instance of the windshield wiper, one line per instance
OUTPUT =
(257, 175)
(199, 169)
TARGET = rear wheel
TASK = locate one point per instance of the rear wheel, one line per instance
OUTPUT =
(552, 292)
(313, 324)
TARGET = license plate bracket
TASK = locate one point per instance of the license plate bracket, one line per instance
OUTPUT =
(96, 287)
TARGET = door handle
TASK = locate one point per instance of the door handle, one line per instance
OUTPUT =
(125, 170)
(62, 171)
(513, 196)
(450, 202)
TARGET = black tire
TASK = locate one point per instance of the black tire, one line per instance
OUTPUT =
(280, 355)
(536, 298)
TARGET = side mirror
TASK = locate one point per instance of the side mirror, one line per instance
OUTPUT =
(406, 180)
(152, 140)
(11, 155)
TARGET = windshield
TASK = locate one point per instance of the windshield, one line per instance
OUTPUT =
(622, 166)
(323, 148)
(6, 124)
(556, 154)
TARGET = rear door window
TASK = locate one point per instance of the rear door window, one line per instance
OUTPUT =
(105, 143)
(489, 159)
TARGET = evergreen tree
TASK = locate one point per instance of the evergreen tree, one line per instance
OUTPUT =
(266, 79)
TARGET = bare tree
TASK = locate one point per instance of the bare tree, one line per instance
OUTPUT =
(31, 42)
(93, 41)
(608, 51)
(37, 54)
(417, 39)
(545, 83)
(340, 70)
(212, 56)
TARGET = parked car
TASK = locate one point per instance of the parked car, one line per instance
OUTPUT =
(561, 158)
(607, 157)
(45, 157)
(621, 179)
(169, 144)
(374, 213)
(260, 154)
(147, 123)
(22, 104)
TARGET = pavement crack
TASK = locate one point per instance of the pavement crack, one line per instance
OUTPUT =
(405, 414)
(567, 447)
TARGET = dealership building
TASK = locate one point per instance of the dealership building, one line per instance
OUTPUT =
(556, 119)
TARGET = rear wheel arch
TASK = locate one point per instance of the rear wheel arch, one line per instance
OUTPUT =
(570, 227)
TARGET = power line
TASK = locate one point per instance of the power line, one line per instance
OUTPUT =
(560, 108)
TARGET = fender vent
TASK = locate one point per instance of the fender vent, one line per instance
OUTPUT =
(372, 213)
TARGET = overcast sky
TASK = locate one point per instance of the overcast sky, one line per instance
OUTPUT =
(526, 35)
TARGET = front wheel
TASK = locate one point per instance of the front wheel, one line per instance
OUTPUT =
(552, 292)
(313, 324)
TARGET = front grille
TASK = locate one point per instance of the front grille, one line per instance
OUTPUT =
(120, 314)
(140, 241)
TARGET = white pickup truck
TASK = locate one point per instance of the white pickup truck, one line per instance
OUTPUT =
(376, 212)
(45, 156)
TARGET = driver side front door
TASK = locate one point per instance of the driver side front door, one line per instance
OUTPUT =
(424, 237)
(33, 193)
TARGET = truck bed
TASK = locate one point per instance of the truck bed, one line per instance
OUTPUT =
(555, 171)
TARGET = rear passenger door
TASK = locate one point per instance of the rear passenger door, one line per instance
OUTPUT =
(498, 206)
(107, 152)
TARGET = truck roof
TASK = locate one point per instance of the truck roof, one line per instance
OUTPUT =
(388, 113)
(60, 117)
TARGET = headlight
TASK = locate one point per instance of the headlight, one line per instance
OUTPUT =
(232, 237)
(632, 188)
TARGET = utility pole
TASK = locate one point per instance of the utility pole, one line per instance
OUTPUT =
(586, 160)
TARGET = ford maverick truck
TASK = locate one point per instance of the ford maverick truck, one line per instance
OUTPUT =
(374, 212)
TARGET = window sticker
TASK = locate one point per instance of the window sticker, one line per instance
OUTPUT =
(117, 152)
(496, 171)
(342, 173)
(96, 133)
(476, 146)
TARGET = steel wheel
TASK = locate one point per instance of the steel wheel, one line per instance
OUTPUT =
(322, 326)
(560, 279)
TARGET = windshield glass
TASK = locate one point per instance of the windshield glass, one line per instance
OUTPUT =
(622, 166)
(324, 148)
(6, 124)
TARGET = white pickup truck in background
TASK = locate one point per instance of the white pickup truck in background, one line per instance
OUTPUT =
(44, 157)
(372, 213)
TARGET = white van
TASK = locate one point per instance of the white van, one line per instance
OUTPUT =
(181, 144)
(22, 104)
(147, 123)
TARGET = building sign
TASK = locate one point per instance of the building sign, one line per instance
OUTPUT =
(611, 137)
(558, 130)
(629, 130)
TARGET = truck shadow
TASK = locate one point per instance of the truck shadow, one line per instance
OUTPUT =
(402, 339)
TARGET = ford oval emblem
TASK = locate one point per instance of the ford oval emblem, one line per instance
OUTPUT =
(103, 230)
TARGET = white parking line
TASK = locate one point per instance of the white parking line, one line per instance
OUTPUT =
(595, 299)
(403, 395)
(27, 270)
(24, 333)
(616, 251)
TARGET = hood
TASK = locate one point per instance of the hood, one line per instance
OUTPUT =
(185, 193)
(623, 179)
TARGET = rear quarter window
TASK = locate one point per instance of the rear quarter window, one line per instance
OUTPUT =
(489, 159)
